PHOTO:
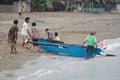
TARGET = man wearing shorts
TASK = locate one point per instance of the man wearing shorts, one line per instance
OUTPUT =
(21, 10)
(25, 32)
(91, 41)
(35, 36)
(12, 36)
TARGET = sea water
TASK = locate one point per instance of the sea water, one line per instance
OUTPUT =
(58, 67)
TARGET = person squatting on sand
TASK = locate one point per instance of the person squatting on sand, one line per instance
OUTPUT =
(25, 33)
(12, 36)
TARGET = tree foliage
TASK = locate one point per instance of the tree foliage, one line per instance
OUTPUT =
(41, 5)
(93, 3)
(7, 1)
(47, 5)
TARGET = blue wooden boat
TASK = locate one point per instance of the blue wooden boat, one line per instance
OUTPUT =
(66, 49)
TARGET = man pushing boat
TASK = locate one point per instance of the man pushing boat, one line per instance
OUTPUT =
(91, 41)
(91, 45)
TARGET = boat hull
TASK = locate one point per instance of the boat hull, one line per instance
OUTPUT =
(66, 49)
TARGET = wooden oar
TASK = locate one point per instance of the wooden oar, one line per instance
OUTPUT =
(51, 44)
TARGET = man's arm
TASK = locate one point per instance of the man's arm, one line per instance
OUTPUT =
(84, 41)
(95, 42)
(34, 33)
(9, 36)
(26, 26)
(16, 33)
(28, 32)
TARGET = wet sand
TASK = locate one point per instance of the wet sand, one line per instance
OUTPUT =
(72, 27)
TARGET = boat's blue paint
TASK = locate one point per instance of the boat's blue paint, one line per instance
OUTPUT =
(73, 50)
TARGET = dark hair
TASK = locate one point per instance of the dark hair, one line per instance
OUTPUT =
(27, 18)
(56, 33)
(33, 24)
(15, 21)
(46, 29)
(92, 33)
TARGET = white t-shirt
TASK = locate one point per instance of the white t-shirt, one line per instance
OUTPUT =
(56, 38)
(24, 29)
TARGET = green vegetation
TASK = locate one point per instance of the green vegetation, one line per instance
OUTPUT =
(42, 5)
(92, 3)
(7, 1)
(39, 5)
(58, 5)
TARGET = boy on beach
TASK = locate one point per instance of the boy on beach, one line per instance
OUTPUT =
(49, 34)
(91, 41)
(25, 32)
(21, 11)
(12, 36)
(35, 35)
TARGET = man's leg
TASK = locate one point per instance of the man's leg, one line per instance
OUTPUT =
(92, 48)
(86, 53)
(23, 44)
(11, 49)
(15, 51)
(19, 13)
(11, 46)
(27, 44)
(23, 41)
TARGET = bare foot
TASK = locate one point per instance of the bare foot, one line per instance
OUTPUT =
(11, 52)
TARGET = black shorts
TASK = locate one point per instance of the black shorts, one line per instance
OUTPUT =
(20, 13)
(90, 48)
(35, 40)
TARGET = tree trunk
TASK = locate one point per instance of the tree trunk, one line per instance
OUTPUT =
(67, 6)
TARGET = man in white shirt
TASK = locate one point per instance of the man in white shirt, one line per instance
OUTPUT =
(25, 32)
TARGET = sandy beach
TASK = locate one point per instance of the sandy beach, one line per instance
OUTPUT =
(72, 27)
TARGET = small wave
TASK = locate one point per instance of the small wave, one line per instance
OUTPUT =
(112, 46)
(112, 43)
(36, 75)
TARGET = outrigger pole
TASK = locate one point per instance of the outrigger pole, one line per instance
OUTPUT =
(51, 44)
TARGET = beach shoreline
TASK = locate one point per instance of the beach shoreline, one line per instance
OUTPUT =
(72, 28)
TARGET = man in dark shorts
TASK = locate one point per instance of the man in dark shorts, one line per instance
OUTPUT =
(91, 41)
(12, 36)
(21, 11)
(35, 36)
